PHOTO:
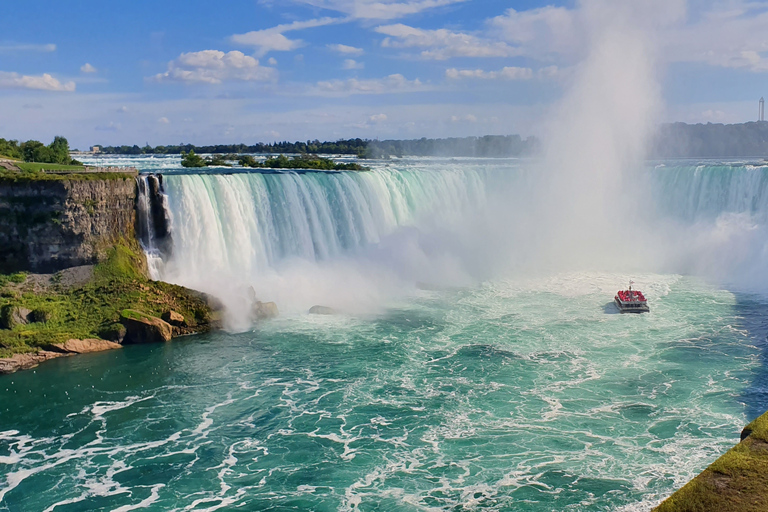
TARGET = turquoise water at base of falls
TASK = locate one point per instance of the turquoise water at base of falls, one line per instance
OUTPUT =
(495, 393)
(508, 396)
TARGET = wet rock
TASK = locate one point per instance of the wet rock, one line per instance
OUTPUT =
(322, 310)
(85, 346)
(143, 328)
(174, 318)
(11, 316)
(27, 361)
(265, 310)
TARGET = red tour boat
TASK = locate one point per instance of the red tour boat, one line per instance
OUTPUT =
(631, 301)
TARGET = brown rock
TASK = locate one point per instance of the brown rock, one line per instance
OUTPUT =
(27, 361)
(322, 310)
(143, 328)
(174, 318)
(11, 316)
(86, 346)
(265, 310)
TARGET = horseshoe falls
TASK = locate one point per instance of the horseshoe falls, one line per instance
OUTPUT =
(466, 369)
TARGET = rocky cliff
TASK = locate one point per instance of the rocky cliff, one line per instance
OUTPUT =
(50, 224)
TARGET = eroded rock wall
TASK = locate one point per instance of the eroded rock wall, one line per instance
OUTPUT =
(49, 225)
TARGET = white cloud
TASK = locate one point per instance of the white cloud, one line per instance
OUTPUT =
(44, 82)
(273, 40)
(443, 44)
(352, 64)
(122, 110)
(730, 35)
(469, 118)
(87, 68)
(541, 32)
(727, 34)
(272, 61)
(215, 67)
(43, 48)
(379, 9)
(389, 85)
(163, 120)
(507, 73)
(378, 118)
(346, 50)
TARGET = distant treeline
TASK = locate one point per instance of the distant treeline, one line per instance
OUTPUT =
(315, 147)
(488, 146)
(680, 140)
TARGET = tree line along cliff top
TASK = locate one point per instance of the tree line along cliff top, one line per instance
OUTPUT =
(674, 140)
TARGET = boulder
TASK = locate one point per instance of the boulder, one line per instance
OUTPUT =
(174, 318)
(85, 346)
(27, 361)
(11, 316)
(265, 310)
(113, 332)
(143, 328)
(322, 310)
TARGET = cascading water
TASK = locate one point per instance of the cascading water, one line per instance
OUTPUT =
(279, 231)
(350, 238)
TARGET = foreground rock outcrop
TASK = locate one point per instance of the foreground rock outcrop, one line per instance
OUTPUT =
(69, 348)
(737, 481)
(143, 328)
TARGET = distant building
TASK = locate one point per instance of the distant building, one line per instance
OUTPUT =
(95, 149)
(761, 114)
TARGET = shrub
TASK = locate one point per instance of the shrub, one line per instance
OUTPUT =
(18, 277)
(113, 332)
(41, 315)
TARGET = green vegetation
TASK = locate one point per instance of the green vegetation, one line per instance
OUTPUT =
(57, 152)
(737, 481)
(192, 160)
(26, 176)
(300, 162)
(339, 147)
(488, 146)
(39, 167)
(91, 310)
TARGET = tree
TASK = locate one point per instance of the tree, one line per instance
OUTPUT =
(59, 151)
(191, 159)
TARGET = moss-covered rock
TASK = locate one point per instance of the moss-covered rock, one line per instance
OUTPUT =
(737, 481)
(143, 328)
(174, 318)
(12, 315)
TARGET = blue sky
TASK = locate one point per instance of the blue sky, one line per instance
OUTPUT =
(132, 72)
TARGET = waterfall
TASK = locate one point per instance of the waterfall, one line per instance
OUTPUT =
(345, 239)
(321, 232)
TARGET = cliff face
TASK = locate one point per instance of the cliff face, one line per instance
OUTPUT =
(49, 225)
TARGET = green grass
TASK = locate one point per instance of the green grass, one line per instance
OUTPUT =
(7, 177)
(737, 481)
(91, 310)
(6, 157)
(37, 167)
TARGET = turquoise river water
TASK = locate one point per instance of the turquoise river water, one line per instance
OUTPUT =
(496, 392)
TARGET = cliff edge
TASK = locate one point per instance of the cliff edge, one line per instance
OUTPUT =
(737, 481)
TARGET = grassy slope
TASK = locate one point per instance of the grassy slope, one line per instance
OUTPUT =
(89, 310)
(36, 167)
(21, 177)
(737, 481)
